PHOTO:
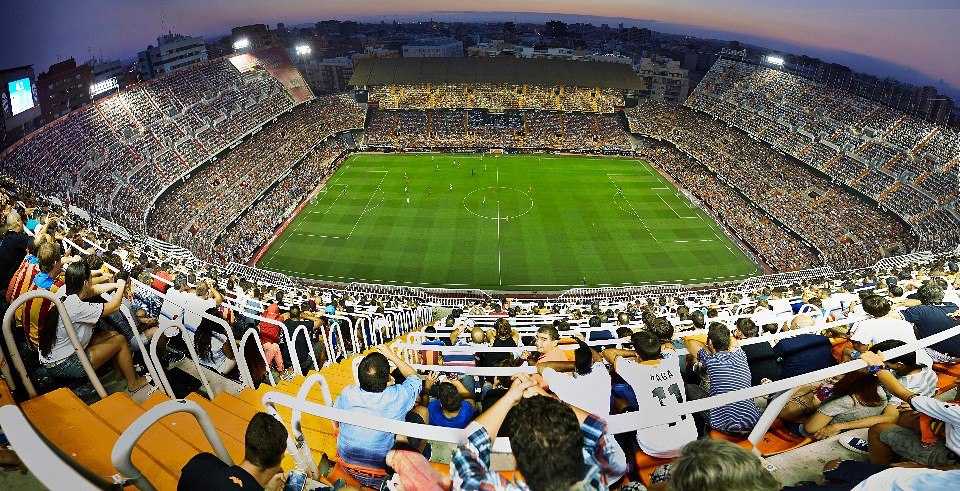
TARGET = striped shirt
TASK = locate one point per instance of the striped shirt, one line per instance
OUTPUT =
(923, 383)
(467, 359)
(728, 371)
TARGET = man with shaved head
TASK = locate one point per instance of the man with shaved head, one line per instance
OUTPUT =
(803, 353)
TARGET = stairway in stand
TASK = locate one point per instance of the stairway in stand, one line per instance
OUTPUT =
(87, 433)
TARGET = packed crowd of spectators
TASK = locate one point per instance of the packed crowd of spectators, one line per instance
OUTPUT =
(773, 245)
(560, 410)
(844, 228)
(43, 247)
(195, 212)
(497, 97)
(908, 165)
(517, 129)
(112, 156)
(255, 226)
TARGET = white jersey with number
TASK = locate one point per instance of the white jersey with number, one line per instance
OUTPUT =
(659, 385)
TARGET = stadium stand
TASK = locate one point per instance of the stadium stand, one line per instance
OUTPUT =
(907, 165)
(843, 229)
(790, 169)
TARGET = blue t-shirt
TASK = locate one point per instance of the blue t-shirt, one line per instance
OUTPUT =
(366, 447)
(43, 281)
(804, 354)
(932, 319)
(461, 420)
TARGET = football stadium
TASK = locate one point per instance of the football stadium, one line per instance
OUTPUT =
(452, 261)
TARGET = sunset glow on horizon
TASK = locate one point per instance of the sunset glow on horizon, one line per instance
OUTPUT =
(921, 35)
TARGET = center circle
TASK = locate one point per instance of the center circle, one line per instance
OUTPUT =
(498, 202)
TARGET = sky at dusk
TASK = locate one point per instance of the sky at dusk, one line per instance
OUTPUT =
(878, 36)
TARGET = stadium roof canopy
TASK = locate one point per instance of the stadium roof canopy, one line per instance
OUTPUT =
(542, 72)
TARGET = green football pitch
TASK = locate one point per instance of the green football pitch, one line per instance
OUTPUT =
(511, 223)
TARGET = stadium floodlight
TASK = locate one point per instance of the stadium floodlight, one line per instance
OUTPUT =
(303, 50)
(774, 60)
(242, 43)
(103, 86)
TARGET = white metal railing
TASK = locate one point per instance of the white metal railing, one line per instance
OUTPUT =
(15, 352)
(122, 452)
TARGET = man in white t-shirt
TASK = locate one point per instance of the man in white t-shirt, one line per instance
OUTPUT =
(884, 325)
(654, 375)
(588, 388)
(190, 302)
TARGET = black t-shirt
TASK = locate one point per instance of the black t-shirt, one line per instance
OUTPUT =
(763, 362)
(491, 359)
(13, 248)
(207, 472)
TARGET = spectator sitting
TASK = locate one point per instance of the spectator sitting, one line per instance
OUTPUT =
(503, 338)
(213, 346)
(597, 334)
(915, 377)
(589, 386)
(450, 408)
(803, 353)
(101, 345)
(855, 401)
(931, 317)
(430, 338)
(652, 368)
(718, 465)
(264, 442)
(301, 341)
(887, 441)
(883, 325)
(580, 455)
(727, 370)
(548, 346)
(361, 449)
(764, 366)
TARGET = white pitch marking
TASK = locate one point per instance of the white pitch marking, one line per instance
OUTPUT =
(671, 208)
(367, 206)
(635, 212)
(499, 255)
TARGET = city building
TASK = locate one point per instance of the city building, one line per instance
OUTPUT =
(433, 48)
(172, 52)
(64, 87)
(664, 78)
(105, 70)
(19, 104)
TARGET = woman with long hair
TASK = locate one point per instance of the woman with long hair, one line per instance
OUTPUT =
(855, 401)
(212, 345)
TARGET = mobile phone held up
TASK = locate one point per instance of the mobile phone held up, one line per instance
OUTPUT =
(296, 481)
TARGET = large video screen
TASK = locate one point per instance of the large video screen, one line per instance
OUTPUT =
(21, 97)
